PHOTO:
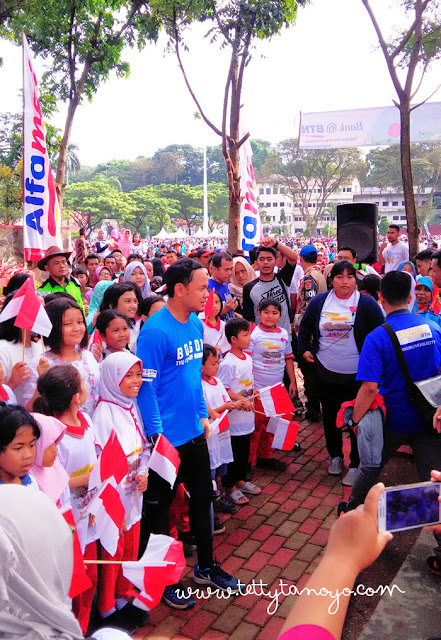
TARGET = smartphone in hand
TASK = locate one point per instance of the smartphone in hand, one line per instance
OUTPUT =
(409, 506)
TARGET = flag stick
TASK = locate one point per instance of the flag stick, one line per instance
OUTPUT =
(24, 338)
(146, 473)
(87, 509)
(42, 346)
(159, 563)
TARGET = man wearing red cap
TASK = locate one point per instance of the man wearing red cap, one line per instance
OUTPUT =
(55, 263)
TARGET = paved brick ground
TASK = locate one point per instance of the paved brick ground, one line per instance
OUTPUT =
(278, 535)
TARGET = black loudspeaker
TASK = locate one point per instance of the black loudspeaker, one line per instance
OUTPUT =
(357, 228)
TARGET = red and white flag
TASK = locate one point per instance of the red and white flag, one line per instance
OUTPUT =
(208, 309)
(221, 424)
(80, 580)
(285, 432)
(112, 462)
(26, 305)
(109, 516)
(41, 212)
(165, 460)
(161, 564)
(275, 400)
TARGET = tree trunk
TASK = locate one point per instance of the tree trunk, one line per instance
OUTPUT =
(406, 173)
(233, 161)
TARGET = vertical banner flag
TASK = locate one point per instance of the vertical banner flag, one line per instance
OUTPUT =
(41, 213)
(250, 227)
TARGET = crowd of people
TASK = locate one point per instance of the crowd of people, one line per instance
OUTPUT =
(151, 339)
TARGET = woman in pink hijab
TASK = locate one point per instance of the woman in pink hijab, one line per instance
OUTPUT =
(125, 243)
(47, 470)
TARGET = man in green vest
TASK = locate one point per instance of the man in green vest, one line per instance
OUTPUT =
(55, 262)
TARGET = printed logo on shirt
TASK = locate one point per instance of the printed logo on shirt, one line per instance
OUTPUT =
(414, 334)
(275, 292)
(246, 382)
(270, 345)
(149, 373)
(190, 350)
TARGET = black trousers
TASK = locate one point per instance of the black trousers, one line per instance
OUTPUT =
(334, 389)
(310, 383)
(195, 472)
(237, 469)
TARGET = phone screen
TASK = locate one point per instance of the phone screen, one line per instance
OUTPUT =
(412, 506)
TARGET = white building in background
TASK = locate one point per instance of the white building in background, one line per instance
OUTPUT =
(275, 201)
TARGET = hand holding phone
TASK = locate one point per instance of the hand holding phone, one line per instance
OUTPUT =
(409, 506)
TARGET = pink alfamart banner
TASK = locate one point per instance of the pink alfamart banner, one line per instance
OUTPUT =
(41, 213)
(250, 228)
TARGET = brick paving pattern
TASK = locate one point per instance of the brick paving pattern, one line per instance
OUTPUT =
(279, 535)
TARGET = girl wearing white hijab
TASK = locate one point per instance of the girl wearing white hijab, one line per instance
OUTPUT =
(117, 410)
(36, 560)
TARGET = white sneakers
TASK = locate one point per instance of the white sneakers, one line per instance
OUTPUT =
(349, 478)
(336, 466)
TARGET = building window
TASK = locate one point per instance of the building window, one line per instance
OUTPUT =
(348, 189)
(275, 189)
(261, 190)
(274, 218)
(289, 204)
(281, 204)
(296, 204)
(395, 203)
(423, 202)
(385, 204)
(309, 204)
(402, 203)
(395, 217)
(268, 204)
(313, 204)
(402, 217)
(377, 203)
(274, 204)
(282, 190)
(268, 190)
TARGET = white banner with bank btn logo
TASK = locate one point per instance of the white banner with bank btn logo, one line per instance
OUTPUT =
(368, 127)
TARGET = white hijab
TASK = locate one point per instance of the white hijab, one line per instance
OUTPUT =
(36, 559)
(115, 410)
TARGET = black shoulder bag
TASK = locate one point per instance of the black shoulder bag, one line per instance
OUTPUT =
(425, 394)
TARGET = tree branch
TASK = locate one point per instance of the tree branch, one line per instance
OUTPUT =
(407, 37)
(181, 66)
(428, 98)
(415, 49)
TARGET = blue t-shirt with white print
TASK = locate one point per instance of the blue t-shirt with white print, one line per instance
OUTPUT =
(171, 399)
(420, 339)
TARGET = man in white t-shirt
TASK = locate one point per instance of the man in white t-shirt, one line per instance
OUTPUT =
(395, 252)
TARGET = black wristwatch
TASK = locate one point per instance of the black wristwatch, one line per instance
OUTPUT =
(350, 423)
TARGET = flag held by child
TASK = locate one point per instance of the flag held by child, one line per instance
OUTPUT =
(209, 309)
(80, 580)
(165, 460)
(112, 462)
(161, 564)
(285, 432)
(109, 517)
(26, 305)
(275, 400)
(221, 424)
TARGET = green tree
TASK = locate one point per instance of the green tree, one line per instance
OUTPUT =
(236, 25)
(218, 199)
(152, 209)
(189, 201)
(383, 226)
(98, 201)
(328, 230)
(83, 42)
(413, 50)
(11, 139)
(11, 193)
(310, 176)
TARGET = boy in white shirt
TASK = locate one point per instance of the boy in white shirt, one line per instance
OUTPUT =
(271, 352)
(236, 373)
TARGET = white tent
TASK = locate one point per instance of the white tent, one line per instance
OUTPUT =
(216, 234)
(162, 234)
(199, 233)
(179, 234)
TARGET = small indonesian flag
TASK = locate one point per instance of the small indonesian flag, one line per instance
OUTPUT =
(112, 462)
(221, 424)
(165, 460)
(96, 338)
(209, 309)
(26, 305)
(109, 517)
(275, 400)
(80, 580)
(285, 432)
(161, 564)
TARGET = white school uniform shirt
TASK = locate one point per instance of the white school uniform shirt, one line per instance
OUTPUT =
(237, 374)
(7, 395)
(219, 444)
(78, 456)
(269, 351)
(130, 432)
(216, 337)
(10, 354)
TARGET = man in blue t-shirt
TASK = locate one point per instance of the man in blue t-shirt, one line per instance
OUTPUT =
(221, 269)
(379, 370)
(171, 401)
